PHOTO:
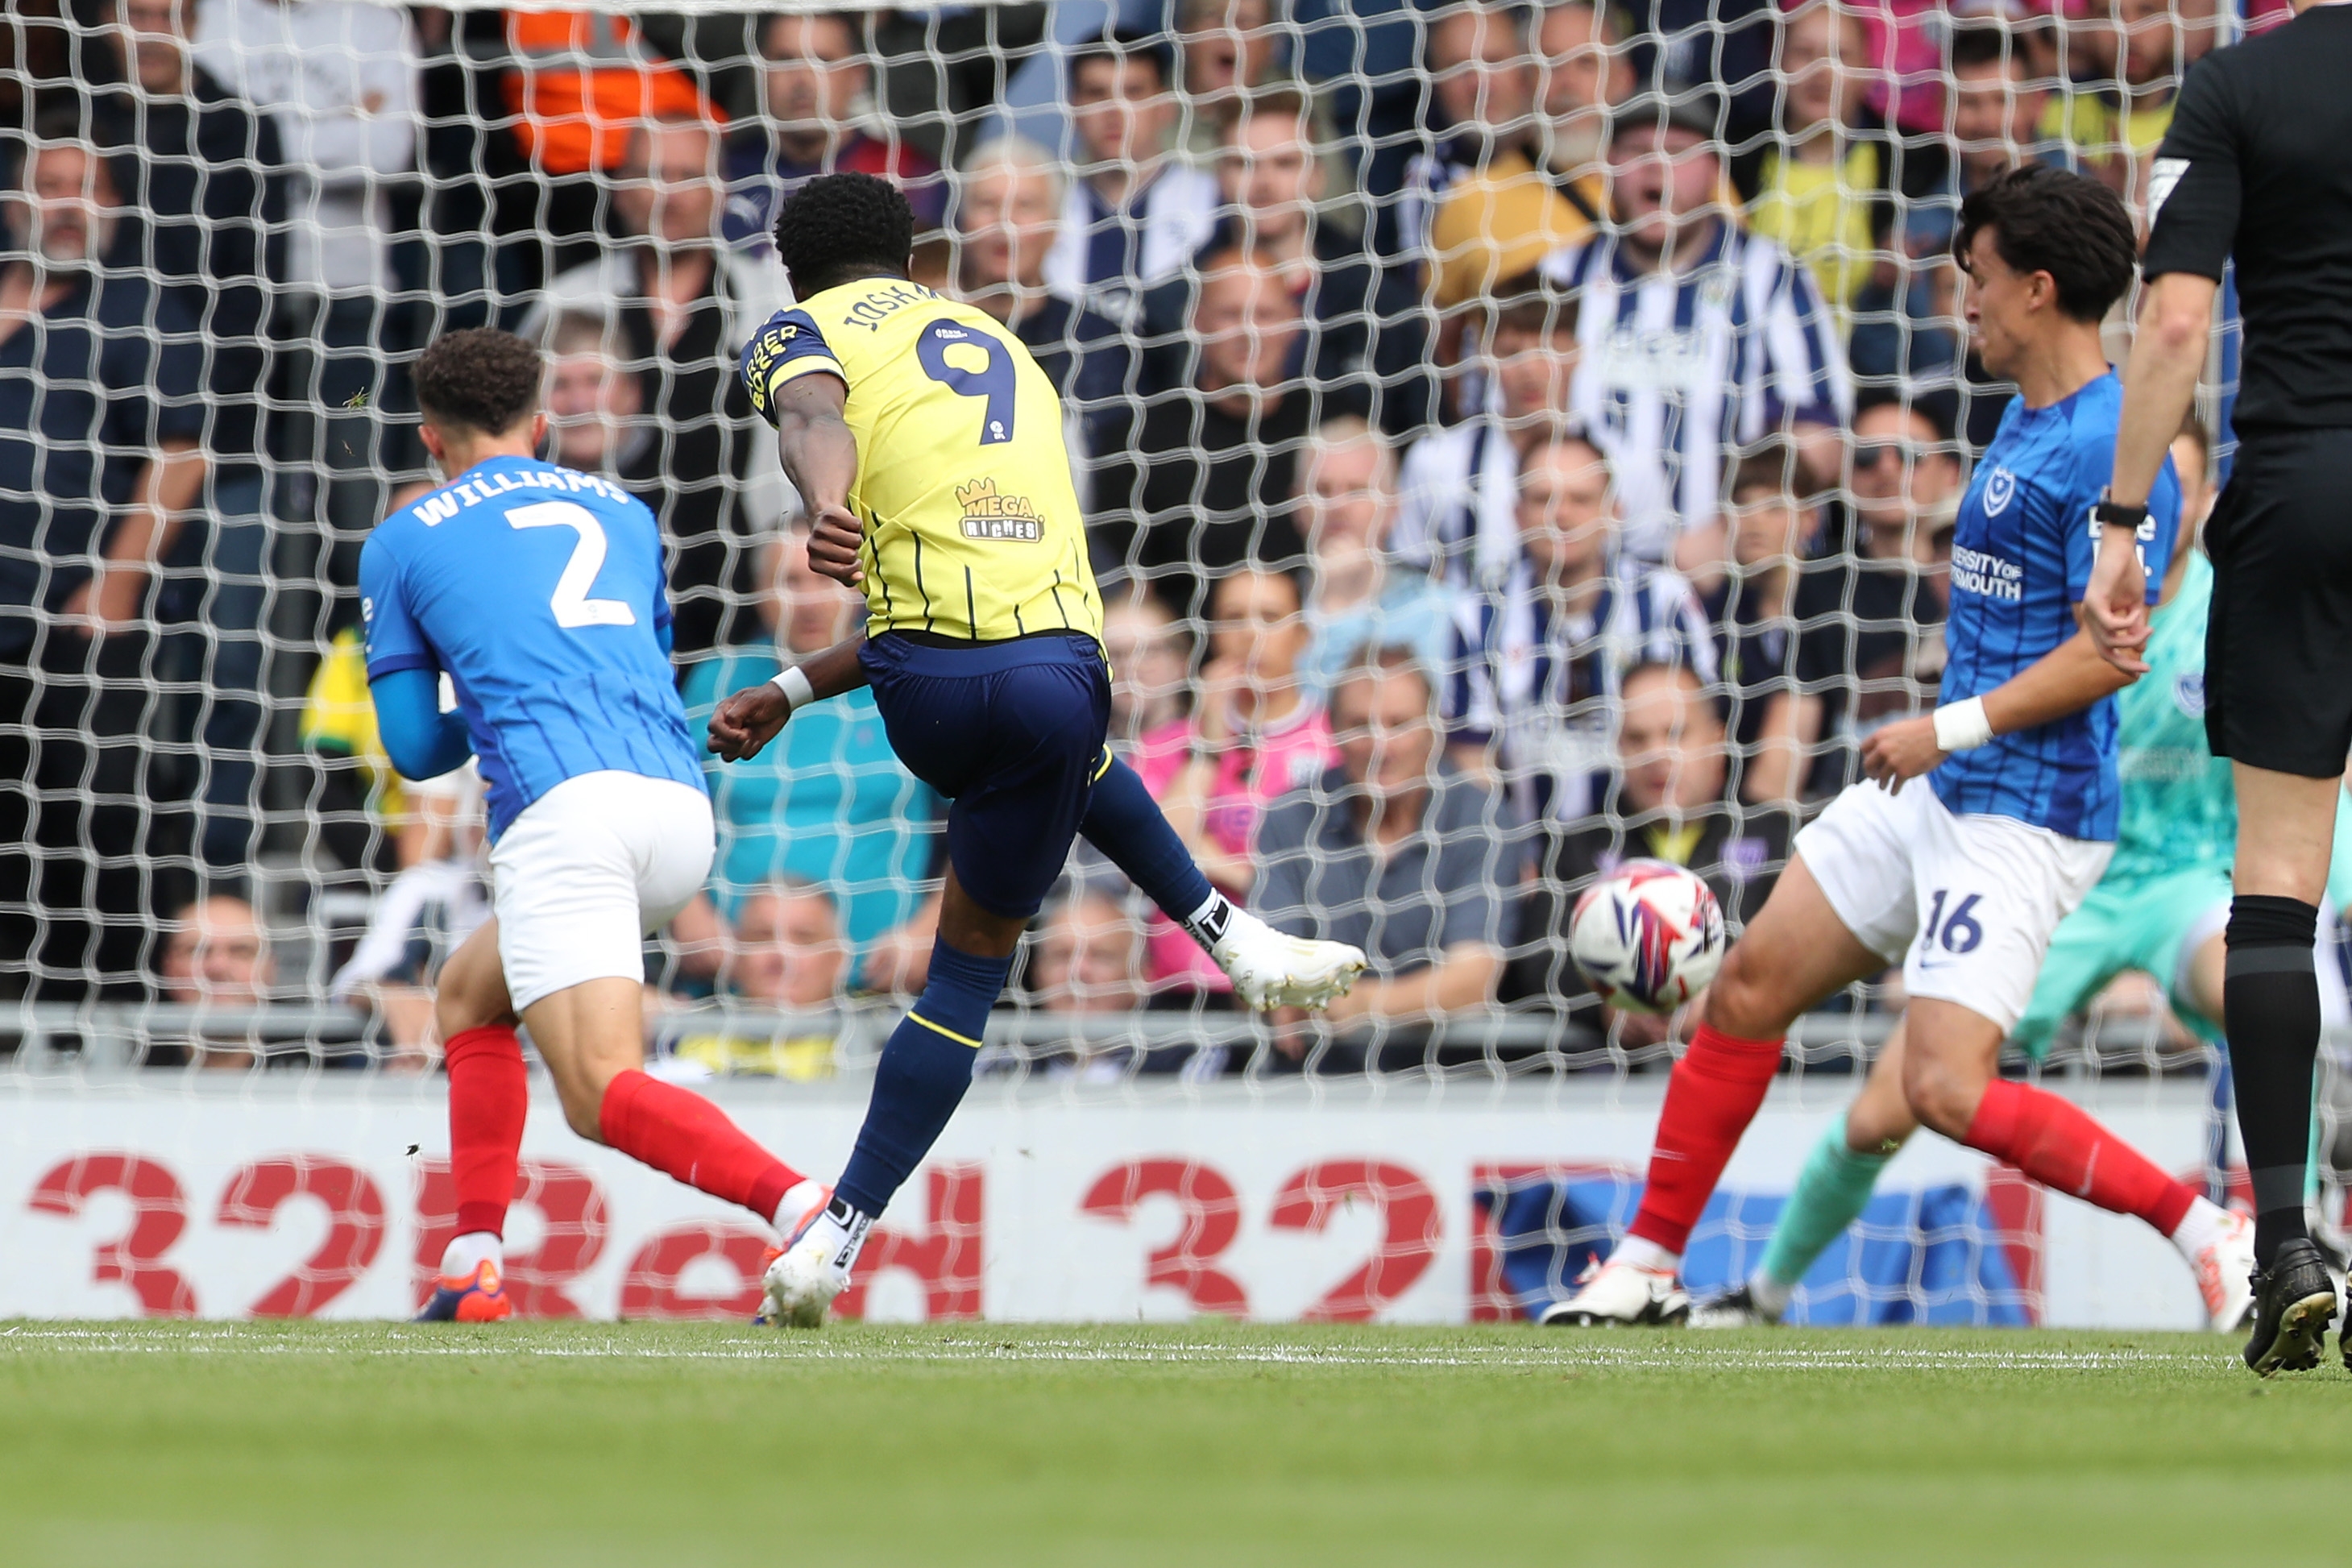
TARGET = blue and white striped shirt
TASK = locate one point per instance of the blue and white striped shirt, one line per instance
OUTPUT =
(1543, 686)
(2022, 556)
(1682, 368)
(1458, 501)
(1105, 260)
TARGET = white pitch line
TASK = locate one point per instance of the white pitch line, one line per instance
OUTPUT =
(1568, 1354)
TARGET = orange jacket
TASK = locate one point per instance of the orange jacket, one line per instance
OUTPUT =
(582, 79)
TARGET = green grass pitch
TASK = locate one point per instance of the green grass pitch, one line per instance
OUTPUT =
(637, 1444)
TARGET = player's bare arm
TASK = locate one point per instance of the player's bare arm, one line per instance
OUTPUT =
(742, 725)
(2066, 679)
(2160, 383)
(820, 456)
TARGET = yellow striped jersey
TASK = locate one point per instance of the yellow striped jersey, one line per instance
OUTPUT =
(972, 527)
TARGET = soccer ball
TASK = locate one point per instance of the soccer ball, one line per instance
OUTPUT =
(1647, 937)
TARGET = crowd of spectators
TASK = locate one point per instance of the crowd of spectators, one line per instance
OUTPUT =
(1513, 437)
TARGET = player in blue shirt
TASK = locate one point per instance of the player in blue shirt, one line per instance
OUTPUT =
(1962, 881)
(538, 592)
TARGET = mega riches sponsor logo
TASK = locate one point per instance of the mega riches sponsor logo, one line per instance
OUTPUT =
(1983, 573)
(989, 515)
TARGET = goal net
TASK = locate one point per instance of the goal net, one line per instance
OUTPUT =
(1454, 547)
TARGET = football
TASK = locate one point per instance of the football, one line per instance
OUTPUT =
(1647, 937)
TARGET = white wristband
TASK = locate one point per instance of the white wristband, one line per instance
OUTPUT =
(1962, 726)
(794, 684)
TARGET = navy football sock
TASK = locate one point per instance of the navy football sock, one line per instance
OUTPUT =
(1125, 823)
(921, 1078)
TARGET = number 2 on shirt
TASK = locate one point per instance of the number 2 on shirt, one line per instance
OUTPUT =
(572, 606)
(995, 382)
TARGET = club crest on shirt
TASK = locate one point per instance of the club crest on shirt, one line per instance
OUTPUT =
(2189, 693)
(1999, 486)
(988, 515)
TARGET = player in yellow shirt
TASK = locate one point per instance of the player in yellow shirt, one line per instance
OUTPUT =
(927, 446)
(970, 528)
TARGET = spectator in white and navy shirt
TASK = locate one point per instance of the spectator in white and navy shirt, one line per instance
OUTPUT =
(1539, 667)
(1697, 337)
(1459, 486)
(1138, 212)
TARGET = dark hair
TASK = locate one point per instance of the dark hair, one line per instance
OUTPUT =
(1773, 466)
(1686, 679)
(1561, 430)
(2069, 225)
(1981, 45)
(1530, 302)
(1292, 577)
(850, 22)
(1938, 405)
(480, 377)
(1281, 101)
(1233, 260)
(843, 226)
(1120, 44)
(1520, 19)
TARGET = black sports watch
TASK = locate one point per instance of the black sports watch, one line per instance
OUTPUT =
(2110, 510)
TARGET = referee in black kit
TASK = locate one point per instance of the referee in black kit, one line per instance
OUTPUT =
(2258, 167)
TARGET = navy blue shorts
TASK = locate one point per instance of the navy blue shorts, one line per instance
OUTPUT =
(1011, 734)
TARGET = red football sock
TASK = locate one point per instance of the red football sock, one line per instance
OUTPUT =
(1712, 1097)
(688, 1137)
(490, 1092)
(2053, 1141)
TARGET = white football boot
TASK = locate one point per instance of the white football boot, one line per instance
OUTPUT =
(2225, 1271)
(810, 1270)
(1621, 1295)
(1270, 970)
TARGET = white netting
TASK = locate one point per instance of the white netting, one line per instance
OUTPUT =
(1321, 306)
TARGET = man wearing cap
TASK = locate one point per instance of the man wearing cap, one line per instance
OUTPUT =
(1697, 337)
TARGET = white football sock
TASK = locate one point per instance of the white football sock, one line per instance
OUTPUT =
(2205, 1223)
(1646, 1255)
(840, 1230)
(793, 1207)
(1208, 924)
(468, 1252)
(1770, 1296)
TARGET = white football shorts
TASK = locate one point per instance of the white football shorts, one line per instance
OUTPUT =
(587, 869)
(2327, 964)
(1966, 903)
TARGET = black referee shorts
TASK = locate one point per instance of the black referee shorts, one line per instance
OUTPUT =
(2278, 646)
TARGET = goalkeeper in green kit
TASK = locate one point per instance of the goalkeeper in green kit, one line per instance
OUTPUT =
(2160, 908)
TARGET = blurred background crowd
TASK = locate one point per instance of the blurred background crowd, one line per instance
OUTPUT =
(1598, 367)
